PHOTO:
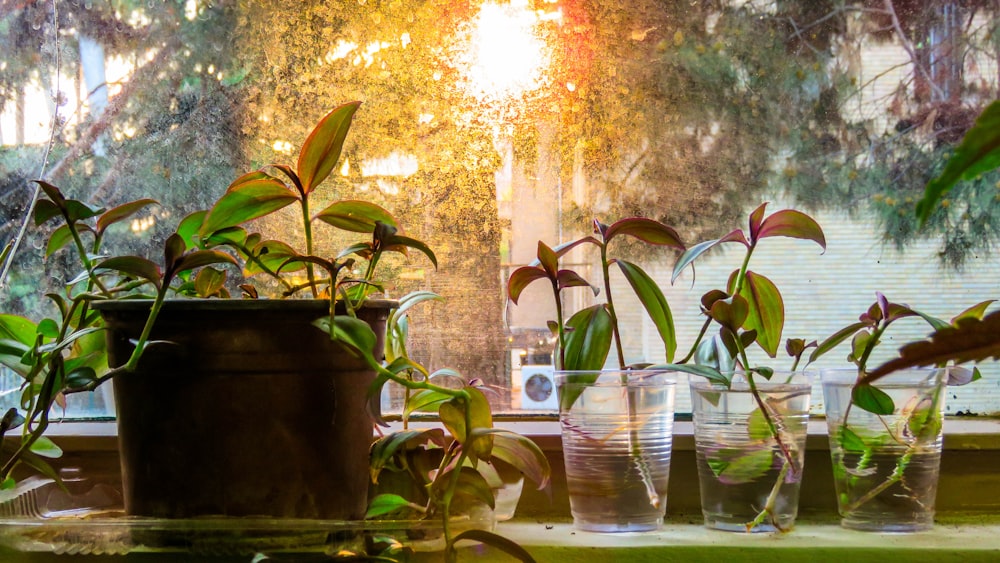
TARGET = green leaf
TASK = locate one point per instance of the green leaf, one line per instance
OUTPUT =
(489, 538)
(59, 239)
(471, 484)
(273, 255)
(743, 466)
(655, 303)
(425, 400)
(247, 201)
(122, 212)
(209, 282)
(588, 339)
(385, 503)
(198, 259)
(709, 373)
(849, 440)
(353, 333)
(767, 311)
(321, 149)
(793, 224)
(757, 426)
(835, 339)
(646, 230)
(872, 399)
(356, 216)
(692, 253)
(978, 152)
(45, 447)
(971, 340)
(48, 328)
(977, 311)
(190, 226)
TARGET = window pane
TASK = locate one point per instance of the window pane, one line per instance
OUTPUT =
(487, 127)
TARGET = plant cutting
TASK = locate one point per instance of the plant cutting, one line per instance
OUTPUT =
(750, 421)
(885, 425)
(616, 424)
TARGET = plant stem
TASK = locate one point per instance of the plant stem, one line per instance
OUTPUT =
(697, 341)
(605, 267)
(769, 505)
(307, 230)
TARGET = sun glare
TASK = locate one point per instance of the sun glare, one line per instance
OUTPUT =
(504, 57)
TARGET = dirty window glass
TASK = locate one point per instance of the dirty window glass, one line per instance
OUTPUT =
(488, 126)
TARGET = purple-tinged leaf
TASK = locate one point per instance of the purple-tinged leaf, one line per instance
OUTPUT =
(756, 218)
(565, 247)
(958, 376)
(971, 340)
(793, 224)
(883, 304)
(173, 249)
(248, 201)
(975, 312)
(692, 253)
(549, 260)
(523, 454)
(199, 258)
(121, 213)
(569, 278)
(134, 266)
(646, 230)
(711, 296)
(521, 278)
(45, 210)
(655, 303)
(293, 177)
(731, 313)
(356, 216)
(321, 149)
(503, 544)
(767, 311)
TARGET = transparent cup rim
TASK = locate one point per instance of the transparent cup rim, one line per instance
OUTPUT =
(612, 377)
(781, 379)
(913, 376)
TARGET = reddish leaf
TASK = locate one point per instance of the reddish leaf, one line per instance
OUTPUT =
(756, 218)
(767, 311)
(134, 266)
(569, 278)
(521, 278)
(121, 213)
(321, 150)
(646, 230)
(791, 223)
(730, 313)
(548, 259)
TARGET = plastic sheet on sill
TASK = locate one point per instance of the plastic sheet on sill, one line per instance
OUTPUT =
(87, 518)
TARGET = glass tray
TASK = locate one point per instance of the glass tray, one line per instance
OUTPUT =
(87, 518)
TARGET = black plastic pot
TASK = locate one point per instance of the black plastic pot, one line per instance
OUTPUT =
(252, 411)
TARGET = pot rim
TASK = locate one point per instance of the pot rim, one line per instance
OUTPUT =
(197, 304)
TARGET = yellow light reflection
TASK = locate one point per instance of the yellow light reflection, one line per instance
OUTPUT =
(505, 57)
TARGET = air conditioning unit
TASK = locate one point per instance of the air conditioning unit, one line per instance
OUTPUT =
(538, 388)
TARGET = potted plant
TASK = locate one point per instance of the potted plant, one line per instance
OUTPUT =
(170, 350)
(616, 424)
(749, 420)
(885, 425)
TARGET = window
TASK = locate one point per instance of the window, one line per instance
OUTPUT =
(488, 126)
